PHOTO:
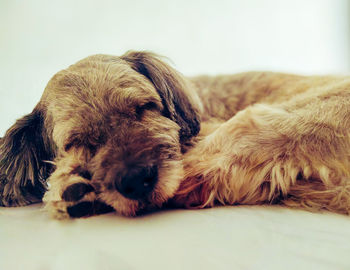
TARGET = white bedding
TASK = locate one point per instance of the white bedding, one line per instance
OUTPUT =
(239, 237)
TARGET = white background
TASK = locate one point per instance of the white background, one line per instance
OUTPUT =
(40, 37)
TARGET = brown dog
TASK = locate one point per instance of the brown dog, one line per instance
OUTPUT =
(124, 133)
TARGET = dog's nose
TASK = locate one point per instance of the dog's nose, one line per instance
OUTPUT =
(138, 182)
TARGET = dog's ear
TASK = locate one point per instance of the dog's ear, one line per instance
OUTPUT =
(23, 170)
(181, 103)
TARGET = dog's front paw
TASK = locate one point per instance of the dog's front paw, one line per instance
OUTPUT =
(86, 208)
(82, 208)
(76, 192)
(75, 200)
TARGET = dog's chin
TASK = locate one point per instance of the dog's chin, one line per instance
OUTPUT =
(169, 180)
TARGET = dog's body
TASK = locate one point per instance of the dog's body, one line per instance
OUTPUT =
(129, 133)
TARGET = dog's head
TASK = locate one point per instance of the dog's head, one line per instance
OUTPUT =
(132, 114)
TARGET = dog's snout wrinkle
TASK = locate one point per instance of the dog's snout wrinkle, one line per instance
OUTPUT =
(138, 182)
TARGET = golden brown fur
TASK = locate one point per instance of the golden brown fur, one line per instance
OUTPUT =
(264, 138)
(288, 144)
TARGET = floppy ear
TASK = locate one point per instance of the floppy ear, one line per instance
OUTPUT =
(23, 171)
(181, 104)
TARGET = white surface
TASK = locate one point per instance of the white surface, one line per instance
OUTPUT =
(221, 238)
(40, 37)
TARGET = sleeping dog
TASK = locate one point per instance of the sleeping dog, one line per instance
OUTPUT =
(132, 134)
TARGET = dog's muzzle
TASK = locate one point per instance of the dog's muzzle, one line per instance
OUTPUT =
(138, 182)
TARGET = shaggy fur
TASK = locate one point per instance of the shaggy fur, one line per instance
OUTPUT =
(130, 134)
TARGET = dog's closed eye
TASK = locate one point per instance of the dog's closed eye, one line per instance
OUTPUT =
(147, 106)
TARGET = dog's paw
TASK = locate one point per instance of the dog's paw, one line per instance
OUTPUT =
(76, 192)
(74, 201)
(86, 208)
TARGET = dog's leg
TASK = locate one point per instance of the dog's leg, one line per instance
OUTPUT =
(71, 193)
(294, 155)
